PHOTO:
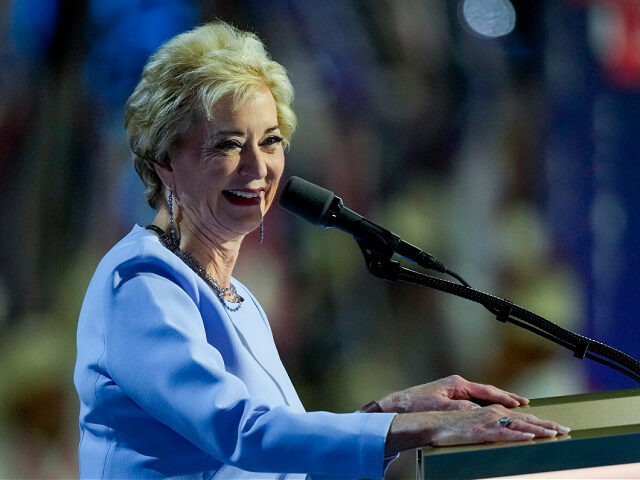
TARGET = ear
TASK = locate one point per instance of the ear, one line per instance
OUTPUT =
(165, 172)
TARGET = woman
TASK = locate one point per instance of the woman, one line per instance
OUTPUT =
(177, 371)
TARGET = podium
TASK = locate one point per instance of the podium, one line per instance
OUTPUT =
(605, 430)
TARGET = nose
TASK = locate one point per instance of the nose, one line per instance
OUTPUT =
(253, 163)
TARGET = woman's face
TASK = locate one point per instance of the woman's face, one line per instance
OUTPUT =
(226, 171)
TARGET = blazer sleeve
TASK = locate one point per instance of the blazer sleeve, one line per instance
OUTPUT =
(157, 353)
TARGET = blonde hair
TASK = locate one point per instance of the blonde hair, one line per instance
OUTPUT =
(187, 76)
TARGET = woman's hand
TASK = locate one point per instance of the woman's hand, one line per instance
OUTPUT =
(450, 393)
(479, 425)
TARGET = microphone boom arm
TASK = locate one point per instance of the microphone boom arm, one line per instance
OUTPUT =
(505, 311)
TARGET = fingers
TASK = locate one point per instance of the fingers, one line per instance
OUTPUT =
(482, 425)
(449, 438)
(535, 430)
(518, 398)
(494, 395)
(508, 435)
(460, 405)
(449, 393)
(545, 424)
(459, 388)
(477, 425)
(525, 422)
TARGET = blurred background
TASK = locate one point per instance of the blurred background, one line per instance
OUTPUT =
(501, 138)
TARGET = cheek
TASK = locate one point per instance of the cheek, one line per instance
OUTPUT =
(277, 167)
(275, 173)
(200, 185)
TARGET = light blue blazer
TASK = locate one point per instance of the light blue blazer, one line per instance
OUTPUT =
(172, 385)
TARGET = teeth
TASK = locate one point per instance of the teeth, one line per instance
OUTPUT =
(240, 193)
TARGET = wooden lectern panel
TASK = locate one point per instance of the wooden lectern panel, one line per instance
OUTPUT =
(605, 430)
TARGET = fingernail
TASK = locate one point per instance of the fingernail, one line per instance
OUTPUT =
(527, 435)
(475, 406)
(551, 433)
(563, 429)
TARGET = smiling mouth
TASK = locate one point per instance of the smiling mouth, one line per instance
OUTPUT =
(243, 197)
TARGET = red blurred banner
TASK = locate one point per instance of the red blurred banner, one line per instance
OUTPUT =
(614, 31)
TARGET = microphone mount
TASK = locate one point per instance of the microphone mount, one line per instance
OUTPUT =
(506, 312)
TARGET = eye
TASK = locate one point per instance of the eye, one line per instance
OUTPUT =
(272, 140)
(227, 145)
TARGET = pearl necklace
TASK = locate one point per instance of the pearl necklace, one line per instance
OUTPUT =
(222, 292)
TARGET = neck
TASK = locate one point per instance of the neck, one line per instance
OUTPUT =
(215, 254)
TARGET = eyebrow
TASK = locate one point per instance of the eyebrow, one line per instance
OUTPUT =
(240, 133)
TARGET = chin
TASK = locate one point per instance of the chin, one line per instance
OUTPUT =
(245, 227)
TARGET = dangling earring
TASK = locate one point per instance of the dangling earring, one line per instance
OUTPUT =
(261, 231)
(172, 227)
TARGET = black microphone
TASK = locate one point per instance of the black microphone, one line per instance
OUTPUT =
(322, 207)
